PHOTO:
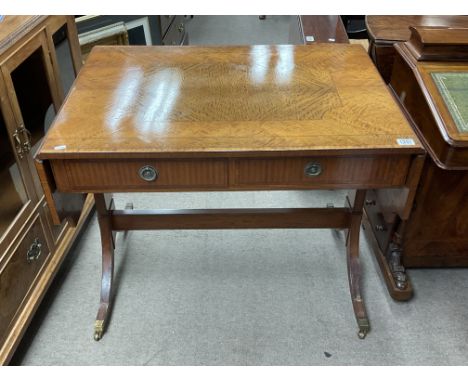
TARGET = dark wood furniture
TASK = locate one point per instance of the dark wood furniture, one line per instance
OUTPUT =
(34, 53)
(229, 118)
(385, 31)
(317, 29)
(432, 230)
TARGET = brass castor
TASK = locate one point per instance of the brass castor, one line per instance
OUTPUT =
(98, 329)
(362, 334)
(97, 336)
(364, 328)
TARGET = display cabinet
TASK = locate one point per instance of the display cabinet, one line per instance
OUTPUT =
(39, 58)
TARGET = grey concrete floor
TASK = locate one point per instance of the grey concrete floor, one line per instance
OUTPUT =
(241, 297)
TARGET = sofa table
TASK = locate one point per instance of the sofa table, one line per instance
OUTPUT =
(228, 118)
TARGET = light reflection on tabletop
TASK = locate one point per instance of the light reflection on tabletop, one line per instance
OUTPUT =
(161, 91)
(124, 97)
(259, 63)
(285, 64)
(163, 99)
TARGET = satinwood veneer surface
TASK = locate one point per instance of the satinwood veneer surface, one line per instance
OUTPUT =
(153, 101)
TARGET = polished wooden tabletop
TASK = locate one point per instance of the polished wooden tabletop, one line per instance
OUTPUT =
(396, 28)
(136, 101)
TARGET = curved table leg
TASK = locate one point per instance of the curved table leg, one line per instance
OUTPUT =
(107, 243)
(354, 266)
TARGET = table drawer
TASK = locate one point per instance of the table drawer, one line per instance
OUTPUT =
(137, 174)
(322, 171)
(18, 273)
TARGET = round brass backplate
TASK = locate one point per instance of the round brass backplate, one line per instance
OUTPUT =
(148, 173)
(313, 169)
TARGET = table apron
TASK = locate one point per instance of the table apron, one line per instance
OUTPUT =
(218, 174)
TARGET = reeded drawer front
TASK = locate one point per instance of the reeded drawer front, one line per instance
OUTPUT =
(111, 175)
(20, 270)
(115, 175)
(305, 172)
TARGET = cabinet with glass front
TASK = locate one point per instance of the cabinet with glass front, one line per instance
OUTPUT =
(39, 58)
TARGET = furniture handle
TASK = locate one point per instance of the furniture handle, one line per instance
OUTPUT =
(380, 227)
(148, 173)
(313, 169)
(18, 144)
(22, 139)
(27, 135)
(34, 250)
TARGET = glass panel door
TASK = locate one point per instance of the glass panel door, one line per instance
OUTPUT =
(13, 196)
(34, 98)
(66, 69)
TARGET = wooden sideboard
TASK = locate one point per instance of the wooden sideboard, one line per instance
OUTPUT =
(35, 51)
(385, 31)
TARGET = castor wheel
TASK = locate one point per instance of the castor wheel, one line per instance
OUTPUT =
(364, 327)
(98, 329)
(362, 334)
(97, 336)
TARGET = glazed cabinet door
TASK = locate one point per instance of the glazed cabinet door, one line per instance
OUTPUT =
(66, 62)
(33, 93)
(65, 52)
(17, 195)
(35, 74)
(32, 79)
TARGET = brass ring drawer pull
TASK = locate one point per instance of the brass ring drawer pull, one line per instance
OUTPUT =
(148, 173)
(313, 169)
(34, 250)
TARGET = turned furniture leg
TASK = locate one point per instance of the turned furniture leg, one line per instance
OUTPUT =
(107, 243)
(354, 266)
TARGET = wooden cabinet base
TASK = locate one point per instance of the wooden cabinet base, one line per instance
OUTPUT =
(39, 57)
(398, 291)
(36, 294)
